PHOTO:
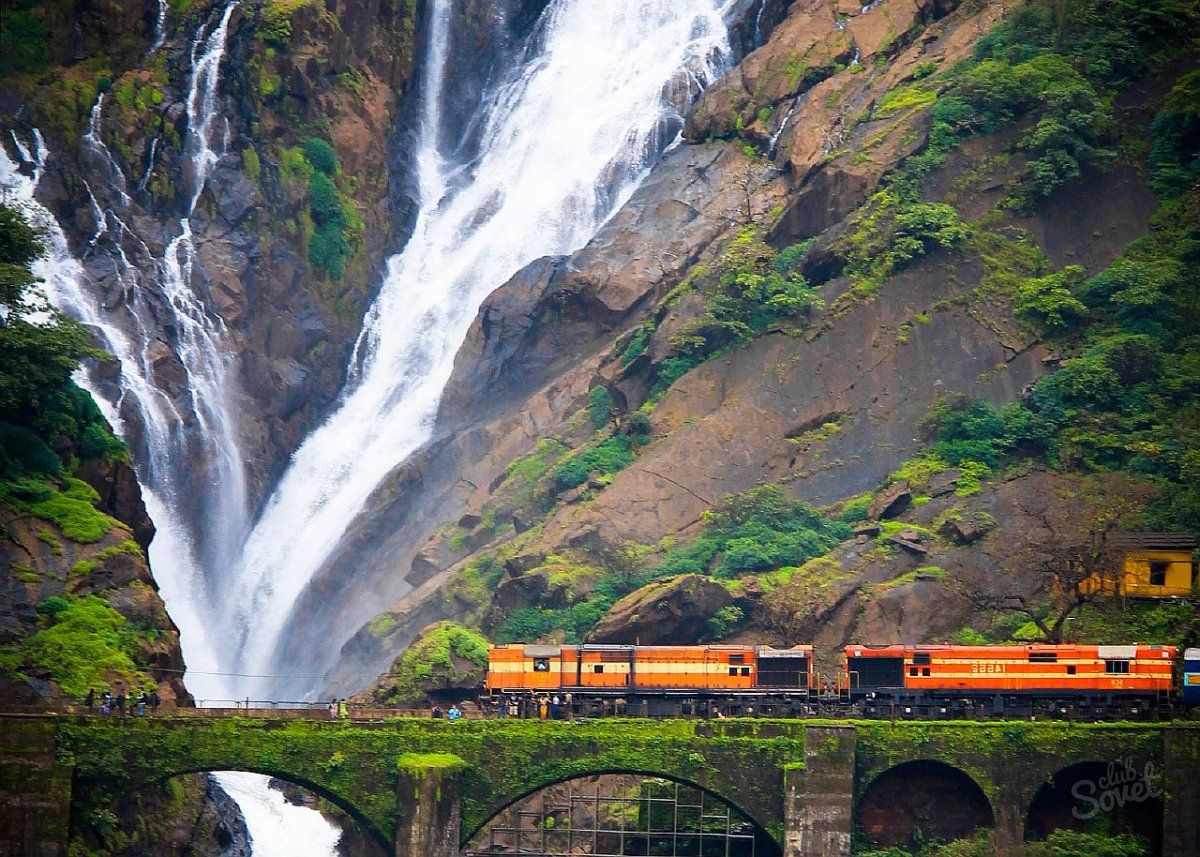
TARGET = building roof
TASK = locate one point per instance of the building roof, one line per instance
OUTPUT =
(1157, 541)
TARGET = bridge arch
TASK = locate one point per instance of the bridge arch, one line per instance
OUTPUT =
(920, 800)
(533, 787)
(1109, 797)
(340, 801)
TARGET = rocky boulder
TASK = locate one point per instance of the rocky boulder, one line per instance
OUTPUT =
(674, 610)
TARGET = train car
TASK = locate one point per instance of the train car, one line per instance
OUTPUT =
(1062, 679)
(1190, 692)
(658, 678)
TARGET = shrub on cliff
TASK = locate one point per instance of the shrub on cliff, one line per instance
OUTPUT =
(757, 530)
(83, 643)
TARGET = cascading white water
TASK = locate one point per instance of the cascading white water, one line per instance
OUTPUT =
(568, 140)
(160, 27)
(201, 334)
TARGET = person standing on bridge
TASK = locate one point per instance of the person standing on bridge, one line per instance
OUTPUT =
(454, 713)
(343, 710)
(333, 709)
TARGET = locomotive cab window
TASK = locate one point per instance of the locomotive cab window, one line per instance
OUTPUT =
(1043, 657)
(913, 671)
(925, 672)
(541, 665)
(745, 670)
(597, 668)
(1158, 573)
(921, 658)
(733, 670)
(1116, 667)
(737, 659)
(1071, 670)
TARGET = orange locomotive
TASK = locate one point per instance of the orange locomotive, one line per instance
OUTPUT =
(649, 672)
(1103, 677)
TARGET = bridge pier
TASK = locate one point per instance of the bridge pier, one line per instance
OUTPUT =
(1181, 806)
(818, 798)
(35, 790)
(428, 814)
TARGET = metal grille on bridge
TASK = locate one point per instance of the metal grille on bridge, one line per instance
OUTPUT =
(617, 816)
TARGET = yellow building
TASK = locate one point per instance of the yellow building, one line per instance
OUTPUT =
(1155, 565)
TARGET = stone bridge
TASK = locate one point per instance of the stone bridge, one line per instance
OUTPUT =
(422, 788)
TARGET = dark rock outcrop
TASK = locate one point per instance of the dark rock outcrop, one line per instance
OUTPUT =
(674, 610)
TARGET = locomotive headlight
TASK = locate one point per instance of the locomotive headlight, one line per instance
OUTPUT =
(908, 711)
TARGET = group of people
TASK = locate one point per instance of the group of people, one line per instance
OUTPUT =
(455, 713)
(338, 709)
(544, 707)
(120, 703)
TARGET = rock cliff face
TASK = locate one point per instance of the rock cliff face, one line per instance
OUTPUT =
(51, 567)
(828, 408)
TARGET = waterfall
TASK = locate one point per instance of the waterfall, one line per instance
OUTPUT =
(569, 137)
(160, 27)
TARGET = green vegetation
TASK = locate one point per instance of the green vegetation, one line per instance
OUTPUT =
(895, 228)
(83, 643)
(600, 406)
(746, 290)
(449, 655)
(25, 37)
(334, 220)
(601, 460)
(757, 530)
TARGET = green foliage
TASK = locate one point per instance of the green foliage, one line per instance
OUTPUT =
(449, 655)
(604, 459)
(25, 38)
(600, 406)
(757, 530)
(746, 290)
(84, 643)
(855, 509)
(329, 245)
(251, 163)
(39, 350)
(1175, 132)
(896, 228)
(71, 508)
(1050, 300)
(725, 621)
(96, 441)
(637, 344)
(23, 453)
(321, 155)
(1069, 843)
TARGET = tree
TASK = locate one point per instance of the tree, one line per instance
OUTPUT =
(1077, 537)
(39, 347)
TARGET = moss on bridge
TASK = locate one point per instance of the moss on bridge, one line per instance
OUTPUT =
(358, 765)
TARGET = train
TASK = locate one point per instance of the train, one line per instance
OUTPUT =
(934, 681)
